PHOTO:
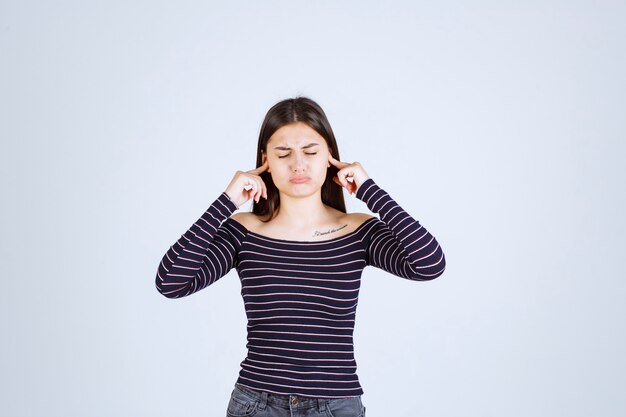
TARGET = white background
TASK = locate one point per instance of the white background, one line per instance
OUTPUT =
(498, 125)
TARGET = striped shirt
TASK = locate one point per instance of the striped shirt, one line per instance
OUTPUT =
(300, 297)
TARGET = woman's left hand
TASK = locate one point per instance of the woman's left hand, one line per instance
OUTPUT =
(350, 176)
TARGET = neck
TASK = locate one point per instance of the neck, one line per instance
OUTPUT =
(301, 212)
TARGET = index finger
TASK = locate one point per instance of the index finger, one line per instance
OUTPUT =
(337, 162)
(260, 169)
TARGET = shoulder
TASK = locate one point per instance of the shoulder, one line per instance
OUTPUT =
(357, 219)
(248, 219)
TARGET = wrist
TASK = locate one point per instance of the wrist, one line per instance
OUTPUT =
(231, 199)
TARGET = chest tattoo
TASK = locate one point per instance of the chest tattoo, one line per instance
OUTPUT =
(316, 233)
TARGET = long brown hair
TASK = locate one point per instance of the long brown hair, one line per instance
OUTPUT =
(285, 112)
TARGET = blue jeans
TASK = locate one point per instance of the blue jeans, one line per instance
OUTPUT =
(246, 402)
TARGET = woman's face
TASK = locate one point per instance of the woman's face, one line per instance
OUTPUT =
(298, 159)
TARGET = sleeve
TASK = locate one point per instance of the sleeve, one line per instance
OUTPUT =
(396, 242)
(202, 255)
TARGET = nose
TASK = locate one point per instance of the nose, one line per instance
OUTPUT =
(299, 163)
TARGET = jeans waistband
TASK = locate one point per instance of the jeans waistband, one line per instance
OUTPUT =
(283, 401)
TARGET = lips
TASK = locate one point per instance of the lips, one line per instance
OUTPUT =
(299, 180)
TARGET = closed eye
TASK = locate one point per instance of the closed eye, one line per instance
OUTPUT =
(284, 156)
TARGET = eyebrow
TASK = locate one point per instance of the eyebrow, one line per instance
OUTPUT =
(284, 148)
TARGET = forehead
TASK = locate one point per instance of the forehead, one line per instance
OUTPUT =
(295, 135)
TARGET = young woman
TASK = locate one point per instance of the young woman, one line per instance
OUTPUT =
(299, 257)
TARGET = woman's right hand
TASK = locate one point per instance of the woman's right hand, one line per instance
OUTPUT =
(239, 193)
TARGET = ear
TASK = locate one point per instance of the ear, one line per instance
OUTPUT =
(264, 158)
